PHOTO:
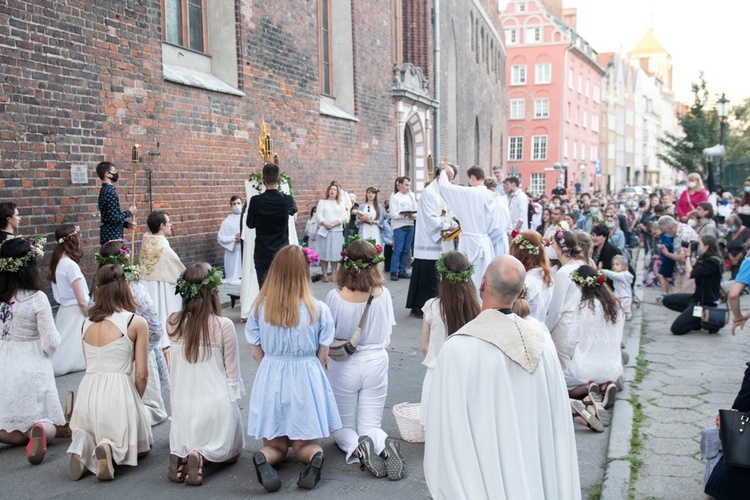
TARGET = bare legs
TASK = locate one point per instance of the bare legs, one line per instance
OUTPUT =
(275, 449)
(18, 438)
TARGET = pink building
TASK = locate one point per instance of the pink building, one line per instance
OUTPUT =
(554, 87)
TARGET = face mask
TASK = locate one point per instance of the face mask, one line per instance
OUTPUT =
(747, 189)
(692, 184)
(610, 225)
(115, 176)
(236, 209)
(594, 210)
(731, 229)
(725, 202)
(691, 223)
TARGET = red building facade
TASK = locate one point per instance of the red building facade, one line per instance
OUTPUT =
(554, 100)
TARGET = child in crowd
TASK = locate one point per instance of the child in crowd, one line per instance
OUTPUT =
(311, 229)
(292, 403)
(455, 305)
(667, 265)
(623, 281)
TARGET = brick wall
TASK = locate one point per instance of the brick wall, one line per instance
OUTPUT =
(82, 81)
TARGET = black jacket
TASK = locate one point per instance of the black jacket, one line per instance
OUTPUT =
(707, 276)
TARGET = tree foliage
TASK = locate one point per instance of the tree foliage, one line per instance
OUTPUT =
(738, 135)
(700, 126)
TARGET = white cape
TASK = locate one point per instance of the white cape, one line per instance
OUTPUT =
(232, 253)
(510, 437)
(249, 285)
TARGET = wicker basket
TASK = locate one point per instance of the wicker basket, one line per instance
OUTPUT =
(407, 420)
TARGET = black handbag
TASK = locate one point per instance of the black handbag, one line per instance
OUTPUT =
(735, 437)
(713, 318)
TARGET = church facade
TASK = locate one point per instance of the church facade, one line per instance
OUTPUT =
(346, 90)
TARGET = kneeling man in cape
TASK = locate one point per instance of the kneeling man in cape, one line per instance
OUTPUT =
(498, 423)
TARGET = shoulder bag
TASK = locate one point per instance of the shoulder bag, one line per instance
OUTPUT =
(713, 318)
(340, 350)
(735, 437)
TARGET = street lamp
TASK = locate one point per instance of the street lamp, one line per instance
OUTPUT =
(723, 111)
(562, 166)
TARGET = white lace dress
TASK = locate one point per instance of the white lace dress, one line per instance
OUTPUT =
(205, 414)
(28, 393)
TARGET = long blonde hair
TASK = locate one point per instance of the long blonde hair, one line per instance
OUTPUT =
(287, 284)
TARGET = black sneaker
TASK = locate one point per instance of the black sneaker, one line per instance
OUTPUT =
(369, 459)
(310, 475)
(416, 313)
(394, 277)
(404, 276)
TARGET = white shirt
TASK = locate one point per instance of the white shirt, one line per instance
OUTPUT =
(518, 204)
(401, 202)
(67, 273)
(376, 332)
(430, 221)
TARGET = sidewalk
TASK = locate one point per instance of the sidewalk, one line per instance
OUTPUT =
(675, 389)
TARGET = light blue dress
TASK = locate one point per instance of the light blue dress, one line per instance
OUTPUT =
(291, 395)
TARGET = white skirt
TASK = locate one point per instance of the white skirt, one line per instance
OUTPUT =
(68, 357)
(329, 246)
(153, 402)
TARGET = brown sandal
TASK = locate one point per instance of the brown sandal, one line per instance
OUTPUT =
(63, 431)
(194, 469)
(176, 470)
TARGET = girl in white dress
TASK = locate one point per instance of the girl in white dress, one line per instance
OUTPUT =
(206, 380)
(109, 422)
(455, 305)
(332, 215)
(371, 216)
(528, 247)
(70, 290)
(360, 383)
(29, 404)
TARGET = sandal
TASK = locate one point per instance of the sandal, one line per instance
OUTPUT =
(176, 470)
(63, 431)
(581, 416)
(105, 470)
(604, 416)
(194, 469)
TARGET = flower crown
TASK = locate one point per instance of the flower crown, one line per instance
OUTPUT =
(560, 238)
(131, 270)
(359, 264)
(65, 238)
(188, 290)
(525, 244)
(589, 281)
(311, 256)
(524, 294)
(452, 276)
(14, 264)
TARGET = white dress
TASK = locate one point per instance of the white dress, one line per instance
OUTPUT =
(328, 243)
(371, 230)
(565, 299)
(594, 347)
(108, 409)
(205, 415)
(539, 295)
(68, 357)
(28, 394)
(431, 310)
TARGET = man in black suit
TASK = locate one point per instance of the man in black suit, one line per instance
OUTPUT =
(268, 213)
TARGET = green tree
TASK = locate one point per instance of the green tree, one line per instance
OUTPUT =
(700, 126)
(738, 133)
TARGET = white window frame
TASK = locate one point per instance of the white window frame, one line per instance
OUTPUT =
(533, 35)
(565, 147)
(541, 107)
(521, 6)
(583, 152)
(538, 147)
(585, 119)
(515, 148)
(511, 36)
(575, 150)
(517, 108)
(570, 79)
(543, 73)
(580, 83)
(538, 183)
(593, 152)
(518, 74)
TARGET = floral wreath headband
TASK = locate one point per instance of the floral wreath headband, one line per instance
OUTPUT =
(65, 238)
(15, 264)
(452, 276)
(132, 271)
(525, 244)
(189, 291)
(589, 281)
(359, 263)
(524, 294)
(560, 238)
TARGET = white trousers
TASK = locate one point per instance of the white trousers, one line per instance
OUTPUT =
(360, 385)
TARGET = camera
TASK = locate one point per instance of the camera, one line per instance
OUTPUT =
(692, 244)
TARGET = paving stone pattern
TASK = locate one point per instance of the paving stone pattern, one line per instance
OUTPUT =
(687, 379)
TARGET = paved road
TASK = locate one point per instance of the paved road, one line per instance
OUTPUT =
(687, 379)
(148, 480)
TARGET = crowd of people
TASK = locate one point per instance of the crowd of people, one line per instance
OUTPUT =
(482, 259)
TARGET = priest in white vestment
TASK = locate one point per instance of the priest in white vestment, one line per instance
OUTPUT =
(510, 436)
(479, 214)
(230, 239)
